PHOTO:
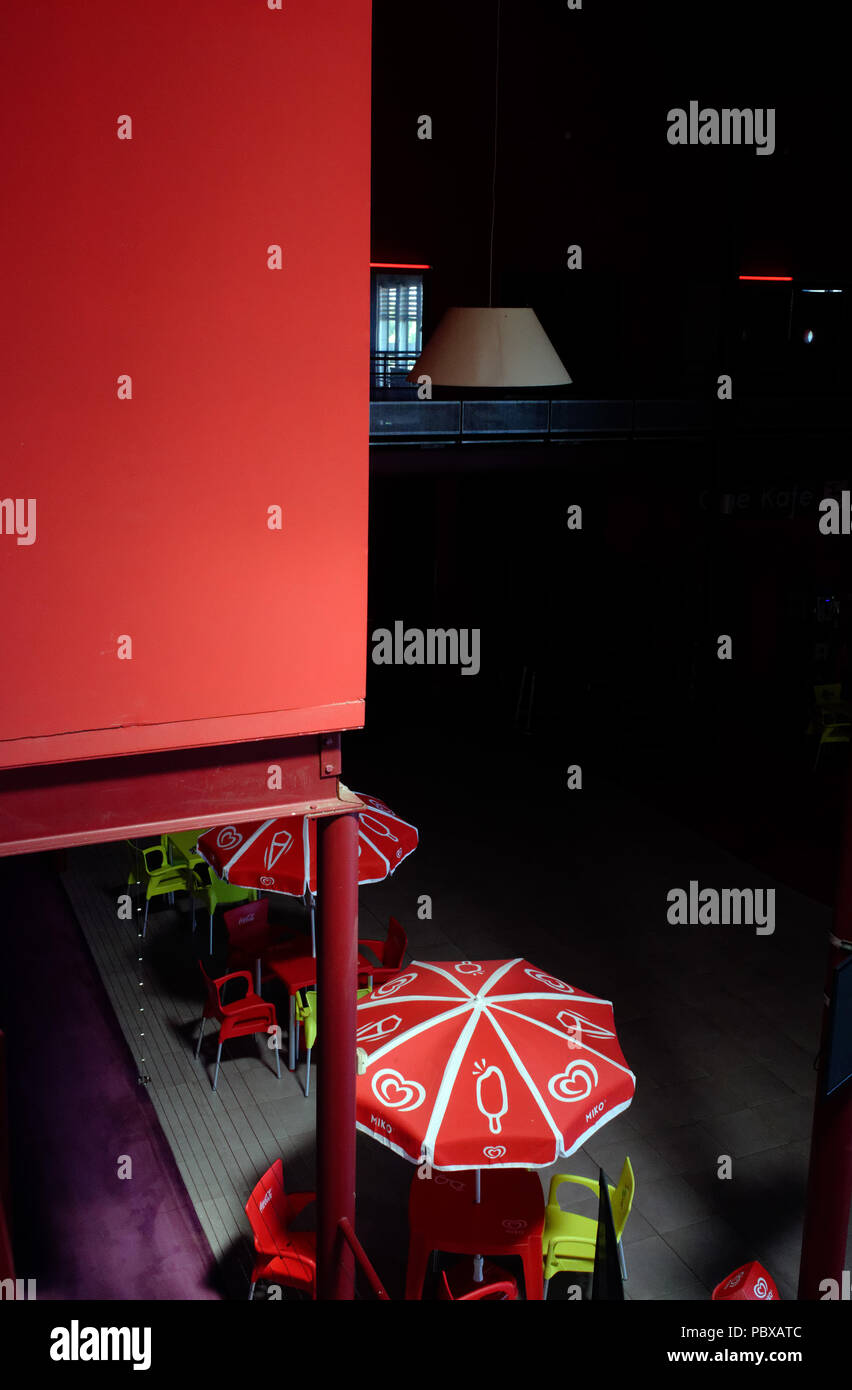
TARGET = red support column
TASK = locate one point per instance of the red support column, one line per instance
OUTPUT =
(830, 1172)
(337, 951)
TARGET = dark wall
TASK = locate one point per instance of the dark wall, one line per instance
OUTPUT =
(682, 540)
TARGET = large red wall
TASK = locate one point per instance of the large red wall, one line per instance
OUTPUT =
(149, 257)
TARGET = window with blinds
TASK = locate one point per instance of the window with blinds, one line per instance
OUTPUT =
(397, 326)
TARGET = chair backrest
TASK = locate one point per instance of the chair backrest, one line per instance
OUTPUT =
(152, 858)
(395, 944)
(211, 987)
(827, 694)
(266, 1208)
(229, 892)
(622, 1199)
(310, 1017)
(248, 926)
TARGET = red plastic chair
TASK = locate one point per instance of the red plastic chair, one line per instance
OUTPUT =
(244, 1016)
(751, 1282)
(282, 1256)
(249, 936)
(390, 953)
(460, 1287)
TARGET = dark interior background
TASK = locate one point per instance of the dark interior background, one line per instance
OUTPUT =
(686, 535)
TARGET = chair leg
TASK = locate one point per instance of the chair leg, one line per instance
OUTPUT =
(622, 1261)
(278, 1059)
(145, 918)
(546, 1287)
(218, 1060)
(251, 1289)
(200, 1036)
(308, 1076)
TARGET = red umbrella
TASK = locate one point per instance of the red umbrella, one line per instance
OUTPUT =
(476, 1064)
(280, 855)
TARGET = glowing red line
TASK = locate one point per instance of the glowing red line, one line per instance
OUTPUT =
(765, 277)
(393, 265)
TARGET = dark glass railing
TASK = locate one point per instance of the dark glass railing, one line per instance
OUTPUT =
(416, 421)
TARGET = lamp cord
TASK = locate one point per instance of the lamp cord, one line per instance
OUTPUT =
(494, 170)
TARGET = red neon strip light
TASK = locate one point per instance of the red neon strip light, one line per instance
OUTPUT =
(394, 265)
(765, 277)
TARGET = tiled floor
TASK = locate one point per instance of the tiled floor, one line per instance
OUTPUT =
(720, 1025)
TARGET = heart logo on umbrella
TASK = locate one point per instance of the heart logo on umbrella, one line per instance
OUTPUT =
(266, 880)
(228, 838)
(391, 986)
(575, 1083)
(514, 1227)
(467, 967)
(494, 1151)
(391, 1088)
(761, 1289)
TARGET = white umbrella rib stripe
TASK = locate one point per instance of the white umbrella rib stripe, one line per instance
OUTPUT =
(413, 1032)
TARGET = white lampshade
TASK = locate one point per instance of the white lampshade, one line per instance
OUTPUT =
(490, 348)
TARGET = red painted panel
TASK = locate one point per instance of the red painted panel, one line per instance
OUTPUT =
(148, 257)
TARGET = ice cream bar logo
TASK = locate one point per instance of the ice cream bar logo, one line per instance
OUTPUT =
(278, 845)
(491, 1098)
(379, 1028)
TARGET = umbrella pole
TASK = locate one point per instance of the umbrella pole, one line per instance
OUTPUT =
(477, 1259)
(313, 905)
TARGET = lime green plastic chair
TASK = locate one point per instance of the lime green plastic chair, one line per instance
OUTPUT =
(306, 1016)
(151, 868)
(215, 891)
(568, 1240)
(831, 720)
(832, 733)
(138, 869)
(181, 848)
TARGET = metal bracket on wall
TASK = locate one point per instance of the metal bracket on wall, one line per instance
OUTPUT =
(330, 755)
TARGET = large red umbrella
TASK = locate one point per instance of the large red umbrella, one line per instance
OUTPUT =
(280, 855)
(487, 1064)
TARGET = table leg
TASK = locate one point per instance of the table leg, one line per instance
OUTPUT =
(292, 1036)
(533, 1270)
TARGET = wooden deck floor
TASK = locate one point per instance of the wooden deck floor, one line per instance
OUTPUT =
(224, 1140)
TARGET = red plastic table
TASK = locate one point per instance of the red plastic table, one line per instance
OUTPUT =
(294, 965)
(508, 1220)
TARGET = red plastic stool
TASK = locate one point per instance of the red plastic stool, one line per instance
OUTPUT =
(461, 1286)
(750, 1281)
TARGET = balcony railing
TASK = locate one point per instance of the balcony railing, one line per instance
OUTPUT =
(472, 421)
(390, 369)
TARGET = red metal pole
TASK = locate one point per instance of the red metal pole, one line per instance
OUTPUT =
(337, 952)
(830, 1173)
